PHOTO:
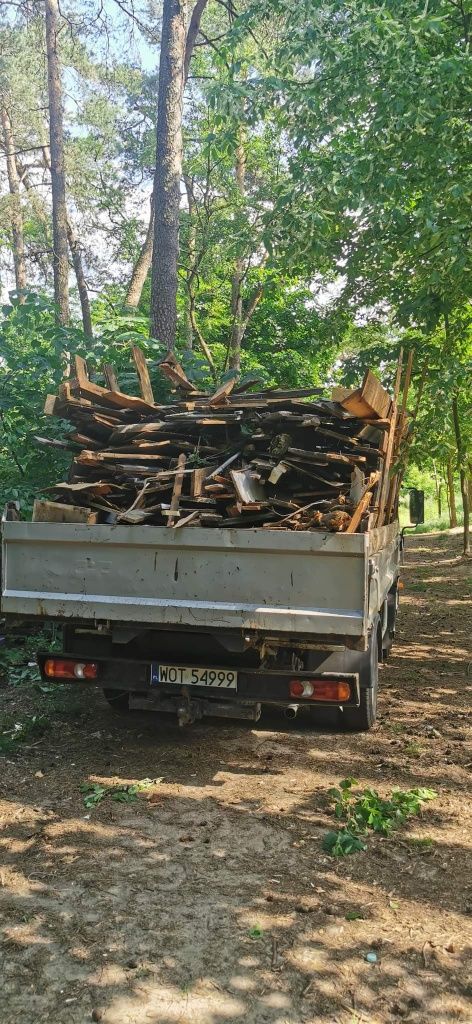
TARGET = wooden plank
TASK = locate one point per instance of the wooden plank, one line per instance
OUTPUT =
(187, 519)
(385, 484)
(389, 441)
(97, 488)
(55, 512)
(109, 373)
(50, 405)
(121, 456)
(358, 513)
(197, 480)
(222, 392)
(114, 398)
(375, 395)
(143, 374)
(177, 491)
(338, 394)
(172, 369)
(396, 480)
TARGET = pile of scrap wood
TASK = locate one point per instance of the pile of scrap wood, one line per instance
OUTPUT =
(277, 459)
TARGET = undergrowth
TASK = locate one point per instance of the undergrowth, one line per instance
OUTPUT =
(365, 810)
(94, 792)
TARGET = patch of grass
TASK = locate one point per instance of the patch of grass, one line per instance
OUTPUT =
(94, 792)
(18, 656)
(256, 933)
(413, 749)
(14, 732)
(422, 843)
(365, 810)
(396, 727)
(436, 524)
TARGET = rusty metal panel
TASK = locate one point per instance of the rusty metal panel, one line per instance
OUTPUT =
(269, 581)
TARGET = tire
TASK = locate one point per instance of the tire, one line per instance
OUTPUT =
(389, 635)
(364, 717)
(117, 699)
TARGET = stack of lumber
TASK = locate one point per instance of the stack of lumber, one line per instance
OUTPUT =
(276, 459)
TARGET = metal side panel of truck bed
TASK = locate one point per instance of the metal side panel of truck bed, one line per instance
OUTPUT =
(260, 580)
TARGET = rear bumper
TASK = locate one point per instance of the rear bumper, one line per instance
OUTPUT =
(257, 686)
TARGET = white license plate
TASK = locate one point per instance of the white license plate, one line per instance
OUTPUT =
(182, 675)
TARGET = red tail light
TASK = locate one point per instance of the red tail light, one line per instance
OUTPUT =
(320, 689)
(60, 668)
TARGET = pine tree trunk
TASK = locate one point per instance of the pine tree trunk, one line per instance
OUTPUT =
(76, 254)
(75, 251)
(462, 475)
(168, 174)
(237, 329)
(452, 497)
(191, 264)
(58, 183)
(142, 265)
(15, 208)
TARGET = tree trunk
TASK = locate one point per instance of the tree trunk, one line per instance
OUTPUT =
(237, 329)
(58, 182)
(462, 474)
(76, 254)
(437, 484)
(452, 497)
(75, 251)
(168, 174)
(142, 265)
(162, 238)
(15, 209)
(191, 266)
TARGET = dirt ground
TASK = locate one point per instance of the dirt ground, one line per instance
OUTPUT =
(210, 899)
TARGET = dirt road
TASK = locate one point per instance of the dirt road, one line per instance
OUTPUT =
(210, 899)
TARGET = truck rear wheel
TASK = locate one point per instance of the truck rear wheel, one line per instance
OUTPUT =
(392, 608)
(362, 719)
(117, 699)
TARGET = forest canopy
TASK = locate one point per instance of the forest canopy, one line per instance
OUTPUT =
(275, 189)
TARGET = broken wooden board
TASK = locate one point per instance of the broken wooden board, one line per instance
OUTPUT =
(222, 392)
(56, 512)
(172, 369)
(177, 490)
(143, 374)
(359, 512)
(370, 400)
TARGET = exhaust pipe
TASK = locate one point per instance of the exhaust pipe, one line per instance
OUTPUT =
(291, 711)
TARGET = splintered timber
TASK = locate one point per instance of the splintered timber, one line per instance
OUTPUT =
(276, 459)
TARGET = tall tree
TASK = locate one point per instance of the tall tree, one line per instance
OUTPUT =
(176, 49)
(76, 255)
(18, 241)
(168, 173)
(58, 179)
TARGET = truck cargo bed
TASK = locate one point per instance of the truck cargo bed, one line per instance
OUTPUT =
(273, 582)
